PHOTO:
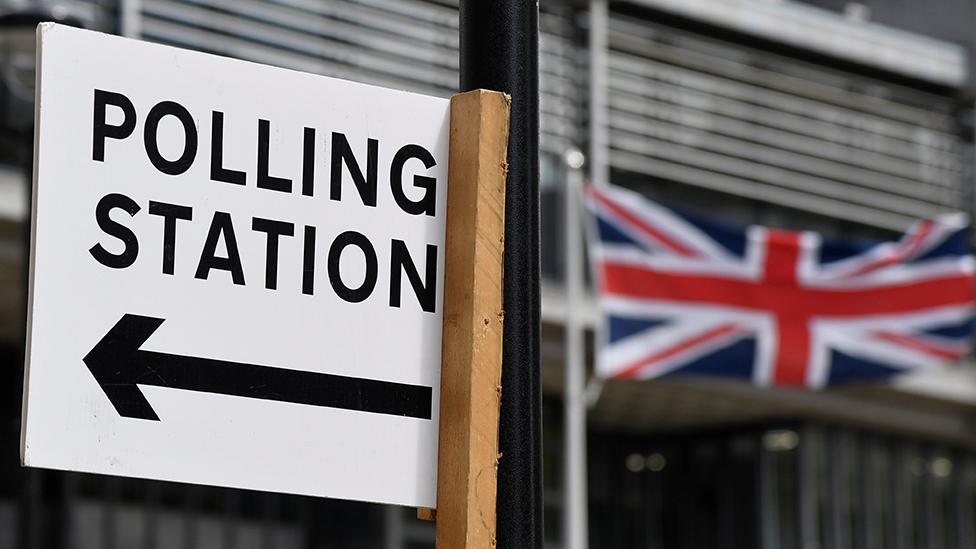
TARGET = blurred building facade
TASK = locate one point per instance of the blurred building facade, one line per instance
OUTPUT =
(852, 119)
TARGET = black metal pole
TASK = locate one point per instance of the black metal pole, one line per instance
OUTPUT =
(500, 51)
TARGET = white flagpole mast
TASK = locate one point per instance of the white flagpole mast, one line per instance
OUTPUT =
(575, 530)
(575, 510)
(599, 163)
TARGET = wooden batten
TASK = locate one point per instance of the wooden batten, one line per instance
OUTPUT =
(473, 318)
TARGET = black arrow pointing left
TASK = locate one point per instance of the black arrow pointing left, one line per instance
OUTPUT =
(120, 366)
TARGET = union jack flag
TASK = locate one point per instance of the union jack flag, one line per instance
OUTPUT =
(680, 294)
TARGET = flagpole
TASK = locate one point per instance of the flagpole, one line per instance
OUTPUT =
(575, 528)
(598, 162)
(577, 395)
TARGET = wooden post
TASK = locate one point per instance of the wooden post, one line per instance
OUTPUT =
(472, 346)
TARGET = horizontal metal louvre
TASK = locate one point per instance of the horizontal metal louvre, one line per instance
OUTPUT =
(701, 112)
(405, 44)
(813, 28)
(339, 45)
(561, 78)
(94, 14)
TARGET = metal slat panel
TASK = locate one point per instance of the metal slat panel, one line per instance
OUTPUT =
(352, 24)
(817, 29)
(407, 44)
(361, 16)
(750, 130)
(783, 74)
(694, 110)
(707, 101)
(771, 175)
(95, 14)
(561, 96)
(847, 118)
(333, 42)
(416, 19)
(710, 141)
(443, 13)
(200, 39)
(765, 193)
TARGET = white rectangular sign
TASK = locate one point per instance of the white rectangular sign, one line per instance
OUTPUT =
(236, 273)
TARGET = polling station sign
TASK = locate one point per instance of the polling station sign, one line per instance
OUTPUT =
(236, 273)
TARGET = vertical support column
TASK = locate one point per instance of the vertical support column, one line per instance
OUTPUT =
(599, 141)
(68, 507)
(467, 459)
(931, 513)
(768, 499)
(870, 487)
(151, 512)
(191, 517)
(30, 526)
(130, 20)
(500, 51)
(840, 493)
(901, 492)
(110, 512)
(811, 440)
(963, 496)
(393, 530)
(232, 514)
(575, 532)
